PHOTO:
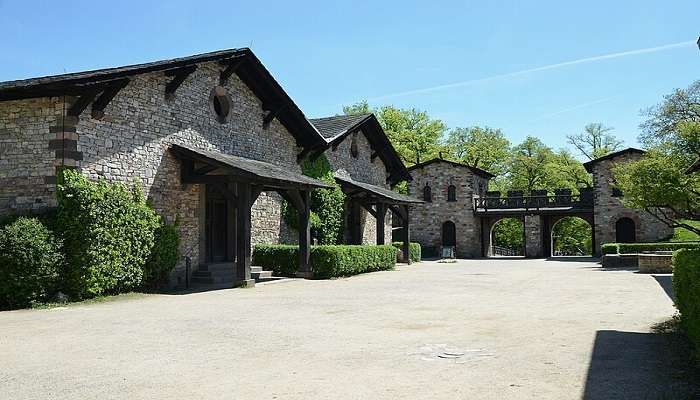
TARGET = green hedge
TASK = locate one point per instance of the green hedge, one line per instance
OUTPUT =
(346, 260)
(414, 250)
(163, 257)
(108, 232)
(328, 261)
(686, 287)
(633, 248)
(30, 262)
(281, 259)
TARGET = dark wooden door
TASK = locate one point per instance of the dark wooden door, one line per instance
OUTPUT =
(449, 234)
(217, 226)
(625, 231)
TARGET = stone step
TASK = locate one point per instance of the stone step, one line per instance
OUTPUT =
(254, 269)
(260, 274)
(196, 280)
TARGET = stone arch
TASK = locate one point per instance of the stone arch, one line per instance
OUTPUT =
(625, 230)
(491, 247)
(448, 237)
(552, 231)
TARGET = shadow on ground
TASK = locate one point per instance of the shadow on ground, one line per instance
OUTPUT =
(666, 283)
(632, 365)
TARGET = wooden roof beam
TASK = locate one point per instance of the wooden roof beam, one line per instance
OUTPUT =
(107, 95)
(231, 67)
(179, 75)
(272, 114)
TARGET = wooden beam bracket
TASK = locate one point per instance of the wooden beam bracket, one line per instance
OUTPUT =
(99, 105)
(231, 67)
(272, 114)
(179, 75)
(83, 101)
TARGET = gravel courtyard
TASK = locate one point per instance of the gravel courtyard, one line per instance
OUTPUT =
(476, 329)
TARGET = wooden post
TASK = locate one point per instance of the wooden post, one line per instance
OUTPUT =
(355, 222)
(243, 233)
(406, 234)
(304, 211)
(381, 216)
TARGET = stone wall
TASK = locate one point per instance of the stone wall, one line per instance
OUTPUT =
(362, 169)
(27, 128)
(608, 209)
(427, 219)
(533, 236)
(130, 142)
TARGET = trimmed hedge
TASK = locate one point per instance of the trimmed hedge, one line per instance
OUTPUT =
(30, 262)
(281, 259)
(633, 248)
(108, 232)
(414, 250)
(345, 260)
(686, 286)
(328, 261)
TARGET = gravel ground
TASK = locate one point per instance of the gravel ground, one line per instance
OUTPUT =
(475, 329)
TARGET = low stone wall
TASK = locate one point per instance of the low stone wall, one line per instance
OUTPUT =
(620, 261)
(655, 263)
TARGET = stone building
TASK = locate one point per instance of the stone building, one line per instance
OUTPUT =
(360, 152)
(446, 217)
(613, 222)
(213, 139)
(459, 212)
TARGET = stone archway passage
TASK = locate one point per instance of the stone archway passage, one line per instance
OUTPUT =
(625, 230)
(449, 234)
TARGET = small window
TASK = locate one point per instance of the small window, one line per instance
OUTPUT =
(353, 146)
(451, 193)
(220, 104)
(427, 194)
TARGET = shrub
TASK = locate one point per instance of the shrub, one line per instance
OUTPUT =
(633, 248)
(30, 261)
(164, 255)
(281, 259)
(414, 250)
(327, 205)
(108, 232)
(686, 286)
(609, 248)
(328, 261)
(346, 260)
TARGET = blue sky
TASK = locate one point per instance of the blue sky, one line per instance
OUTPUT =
(326, 55)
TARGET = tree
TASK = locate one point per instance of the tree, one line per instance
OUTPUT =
(530, 166)
(415, 136)
(480, 147)
(565, 171)
(595, 141)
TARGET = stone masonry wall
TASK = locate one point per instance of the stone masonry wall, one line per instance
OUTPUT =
(26, 159)
(608, 209)
(130, 142)
(427, 219)
(362, 169)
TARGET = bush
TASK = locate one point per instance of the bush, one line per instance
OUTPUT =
(686, 286)
(30, 261)
(414, 250)
(346, 260)
(108, 232)
(328, 261)
(164, 255)
(281, 259)
(634, 248)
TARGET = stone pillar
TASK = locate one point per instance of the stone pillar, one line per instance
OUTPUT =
(243, 232)
(533, 236)
(304, 211)
(65, 145)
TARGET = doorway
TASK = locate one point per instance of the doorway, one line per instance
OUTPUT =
(217, 226)
(625, 230)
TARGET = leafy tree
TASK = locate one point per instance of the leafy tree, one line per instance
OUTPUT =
(508, 233)
(415, 136)
(595, 141)
(480, 147)
(565, 171)
(530, 165)
(572, 236)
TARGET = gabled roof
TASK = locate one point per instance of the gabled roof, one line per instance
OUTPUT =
(476, 171)
(631, 150)
(260, 172)
(249, 69)
(336, 129)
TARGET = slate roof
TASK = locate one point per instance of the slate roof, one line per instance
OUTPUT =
(477, 171)
(251, 71)
(259, 171)
(335, 129)
(377, 191)
(631, 150)
(332, 127)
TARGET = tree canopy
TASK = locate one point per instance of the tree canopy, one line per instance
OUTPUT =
(595, 141)
(479, 147)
